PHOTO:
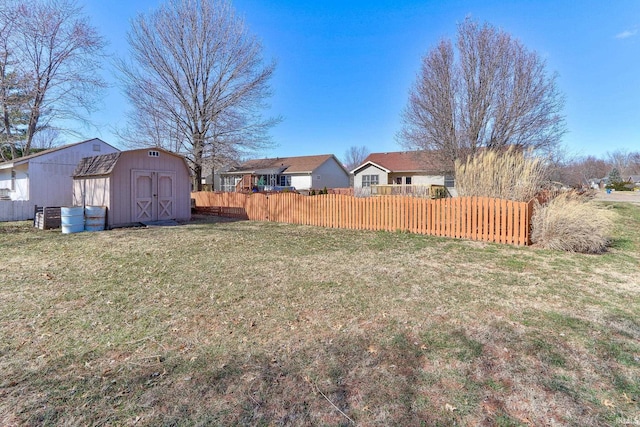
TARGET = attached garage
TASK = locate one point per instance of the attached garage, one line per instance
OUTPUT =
(136, 186)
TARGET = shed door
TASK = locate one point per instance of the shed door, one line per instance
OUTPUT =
(166, 195)
(153, 195)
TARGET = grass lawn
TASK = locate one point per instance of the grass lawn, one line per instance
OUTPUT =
(247, 323)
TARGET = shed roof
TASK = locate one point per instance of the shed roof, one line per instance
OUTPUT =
(96, 165)
(103, 164)
(282, 165)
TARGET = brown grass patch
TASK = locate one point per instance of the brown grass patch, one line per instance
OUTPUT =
(244, 323)
(572, 223)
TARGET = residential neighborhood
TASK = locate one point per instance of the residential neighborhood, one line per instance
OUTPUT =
(301, 173)
(286, 213)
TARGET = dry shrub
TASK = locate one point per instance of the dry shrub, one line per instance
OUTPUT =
(572, 223)
(510, 174)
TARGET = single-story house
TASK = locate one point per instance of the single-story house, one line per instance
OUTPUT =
(213, 181)
(406, 171)
(634, 179)
(299, 173)
(44, 178)
(598, 183)
(137, 186)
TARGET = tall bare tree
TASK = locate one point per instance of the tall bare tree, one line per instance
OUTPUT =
(50, 61)
(578, 171)
(196, 81)
(355, 156)
(487, 91)
(627, 162)
(12, 96)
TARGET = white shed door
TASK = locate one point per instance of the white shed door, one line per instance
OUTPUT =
(153, 195)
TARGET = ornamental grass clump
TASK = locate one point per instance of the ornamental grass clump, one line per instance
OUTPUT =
(511, 174)
(572, 223)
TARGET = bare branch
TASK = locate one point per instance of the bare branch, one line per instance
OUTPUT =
(196, 82)
(56, 56)
(355, 156)
(489, 91)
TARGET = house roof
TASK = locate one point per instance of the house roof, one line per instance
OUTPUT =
(25, 159)
(404, 161)
(282, 165)
(634, 178)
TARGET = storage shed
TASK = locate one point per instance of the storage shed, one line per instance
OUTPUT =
(43, 178)
(137, 186)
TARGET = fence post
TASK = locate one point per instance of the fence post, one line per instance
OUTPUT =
(529, 215)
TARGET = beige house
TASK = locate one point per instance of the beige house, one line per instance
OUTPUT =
(136, 186)
(401, 172)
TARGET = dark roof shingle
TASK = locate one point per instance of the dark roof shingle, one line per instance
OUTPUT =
(406, 161)
(301, 164)
(97, 165)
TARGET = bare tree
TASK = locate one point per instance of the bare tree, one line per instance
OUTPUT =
(46, 138)
(355, 156)
(12, 95)
(577, 172)
(50, 63)
(627, 163)
(196, 81)
(488, 91)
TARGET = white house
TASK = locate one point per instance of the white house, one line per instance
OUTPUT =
(404, 171)
(302, 173)
(44, 178)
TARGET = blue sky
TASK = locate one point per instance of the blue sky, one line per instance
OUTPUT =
(345, 67)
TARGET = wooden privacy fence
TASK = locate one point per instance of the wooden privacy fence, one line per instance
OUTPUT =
(475, 218)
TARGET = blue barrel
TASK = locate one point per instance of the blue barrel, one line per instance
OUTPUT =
(72, 219)
(94, 218)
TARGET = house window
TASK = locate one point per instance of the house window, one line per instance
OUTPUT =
(399, 180)
(407, 180)
(153, 153)
(13, 180)
(285, 181)
(369, 180)
(229, 183)
(449, 181)
(96, 147)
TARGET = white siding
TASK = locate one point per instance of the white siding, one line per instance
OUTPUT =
(301, 182)
(46, 180)
(5, 178)
(370, 170)
(21, 189)
(51, 182)
(427, 180)
(331, 175)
